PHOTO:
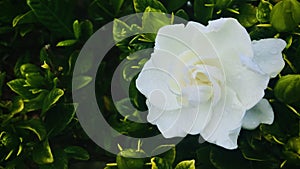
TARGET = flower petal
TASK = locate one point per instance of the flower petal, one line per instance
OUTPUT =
(232, 41)
(178, 40)
(226, 120)
(260, 113)
(267, 54)
(154, 84)
(180, 122)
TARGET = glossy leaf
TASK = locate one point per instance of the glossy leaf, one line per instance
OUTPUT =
(141, 5)
(182, 14)
(35, 80)
(28, 17)
(53, 15)
(42, 153)
(52, 98)
(247, 16)
(285, 15)
(166, 152)
(60, 161)
(58, 118)
(130, 159)
(263, 11)
(203, 13)
(20, 87)
(188, 164)
(117, 4)
(287, 89)
(77, 153)
(152, 22)
(175, 4)
(159, 163)
(68, 42)
(227, 159)
(35, 126)
(28, 68)
(81, 81)
(76, 29)
(87, 29)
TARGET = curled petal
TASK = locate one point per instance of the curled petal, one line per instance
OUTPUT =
(154, 84)
(225, 123)
(235, 42)
(260, 113)
(267, 55)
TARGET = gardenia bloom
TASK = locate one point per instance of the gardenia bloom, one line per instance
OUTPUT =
(209, 80)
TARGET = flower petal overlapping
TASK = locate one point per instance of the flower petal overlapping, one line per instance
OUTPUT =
(209, 80)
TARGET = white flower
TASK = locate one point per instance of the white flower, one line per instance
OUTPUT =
(209, 80)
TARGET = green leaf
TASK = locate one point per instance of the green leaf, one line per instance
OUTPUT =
(203, 157)
(77, 153)
(81, 81)
(141, 5)
(130, 159)
(137, 99)
(117, 5)
(55, 125)
(182, 14)
(41, 153)
(68, 42)
(26, 18)
(53, 14)
(18, 106)
(159, 163)
(35, 80)
(263, 11)
(222, 4)
(227, 159)
(188, 164)
(2, 79)
(28, 68)
(166, 152)
(247, 16)
(51, 99)
(37, 102)
(60, 161)
(9, 140)
(287, 89)
(153, 21)
(87, 29)
(34, 125)
(255, 149)
(121, 30)
(292, 150)
(20, 87)
(285, 15)
(175, 4)
(76, 29)
(202, 12)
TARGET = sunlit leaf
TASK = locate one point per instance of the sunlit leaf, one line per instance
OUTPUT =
(141, 5)
(20, 87)
(189, 164)
(26, 18)
(68, 42)
(34, 125)
(288, 88)
(52, 98)
(42, 153)
(77, 153)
